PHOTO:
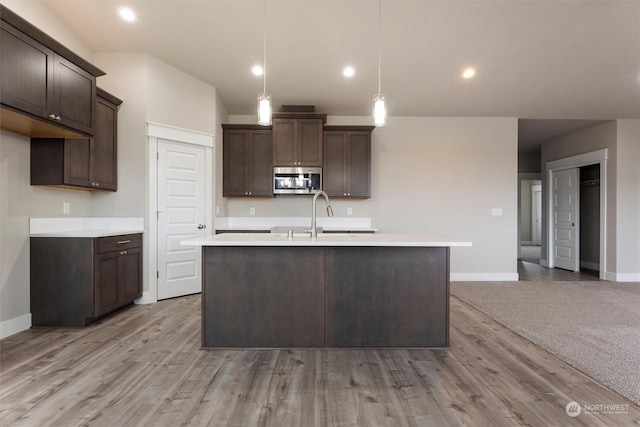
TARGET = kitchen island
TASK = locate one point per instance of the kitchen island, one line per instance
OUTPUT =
(351, 290)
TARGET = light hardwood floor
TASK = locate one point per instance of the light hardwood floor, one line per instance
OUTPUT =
(532, 272)
(144, 366)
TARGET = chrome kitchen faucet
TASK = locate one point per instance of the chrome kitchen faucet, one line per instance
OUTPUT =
(314, 230)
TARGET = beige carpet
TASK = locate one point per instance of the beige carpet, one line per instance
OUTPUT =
(593, 326)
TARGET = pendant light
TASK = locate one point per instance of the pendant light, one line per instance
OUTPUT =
(379, 100)
(264, 97)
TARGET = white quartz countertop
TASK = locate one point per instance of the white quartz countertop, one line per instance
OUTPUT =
(87, 233)
(84, 227)
(281, 239)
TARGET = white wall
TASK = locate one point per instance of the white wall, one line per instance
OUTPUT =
(38, 13)
(435, 175)
(126, 78)
(220, 203)
(628, 201)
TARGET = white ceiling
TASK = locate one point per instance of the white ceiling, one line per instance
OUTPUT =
(537, 59)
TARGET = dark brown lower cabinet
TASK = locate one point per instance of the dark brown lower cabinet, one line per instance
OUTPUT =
(123, 268)
(76, 280)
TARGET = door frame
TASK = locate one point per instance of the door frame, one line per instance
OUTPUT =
(524, 176)
(534, 214)
(155, 132)
(600, 157)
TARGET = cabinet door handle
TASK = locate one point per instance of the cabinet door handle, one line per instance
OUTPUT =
(58, 118)
(97, 184)
(52, 116)
(123, 252)
(122, 242)
(201, 226)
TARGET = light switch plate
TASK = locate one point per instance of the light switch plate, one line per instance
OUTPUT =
(349, 211)
(252, 211)
(496, 211)
(66, 208)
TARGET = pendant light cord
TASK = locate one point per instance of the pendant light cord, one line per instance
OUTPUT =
(379, 44)
(264, 60)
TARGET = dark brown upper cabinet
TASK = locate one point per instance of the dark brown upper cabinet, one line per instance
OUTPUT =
(81, 163)
(247, 167)
(346, 168)
(45, 89)
(297, 139)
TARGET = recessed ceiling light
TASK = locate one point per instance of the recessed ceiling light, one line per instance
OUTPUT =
(127, 14)
(257, 70)
(469, 73)
(348, 71)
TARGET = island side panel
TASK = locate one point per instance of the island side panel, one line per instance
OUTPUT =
(263, 297)
(388, 297)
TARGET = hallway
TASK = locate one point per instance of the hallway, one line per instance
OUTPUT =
(533, 272)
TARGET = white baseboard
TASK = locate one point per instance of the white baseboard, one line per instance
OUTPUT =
(590, 265)
(483, 277)
(146, 298)
(544, 262)
(15, 325)
(622, 277)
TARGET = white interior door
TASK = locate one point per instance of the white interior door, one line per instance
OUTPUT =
(181, 216)
(536, 214)
(565, 219)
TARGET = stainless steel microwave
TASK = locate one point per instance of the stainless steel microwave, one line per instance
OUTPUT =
(298, 180)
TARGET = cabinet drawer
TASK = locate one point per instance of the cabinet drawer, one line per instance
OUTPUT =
(114, 243)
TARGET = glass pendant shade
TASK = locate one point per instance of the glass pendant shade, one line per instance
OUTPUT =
(379, 110)
(264, 109)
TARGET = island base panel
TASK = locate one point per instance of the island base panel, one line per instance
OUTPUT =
(325, 296)
(387, 297)
(263, 297)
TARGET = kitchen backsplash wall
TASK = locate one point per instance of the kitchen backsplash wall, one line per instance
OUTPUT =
(294, 206)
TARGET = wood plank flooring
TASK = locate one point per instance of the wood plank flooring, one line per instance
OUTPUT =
(145, 367)
(532, 272)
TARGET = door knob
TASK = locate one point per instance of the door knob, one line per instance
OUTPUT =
(201, 226)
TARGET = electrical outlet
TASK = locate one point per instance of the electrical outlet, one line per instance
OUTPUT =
(349, 211)
(66, 208)
(217, 210)
(252, 211)
(496, 211)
